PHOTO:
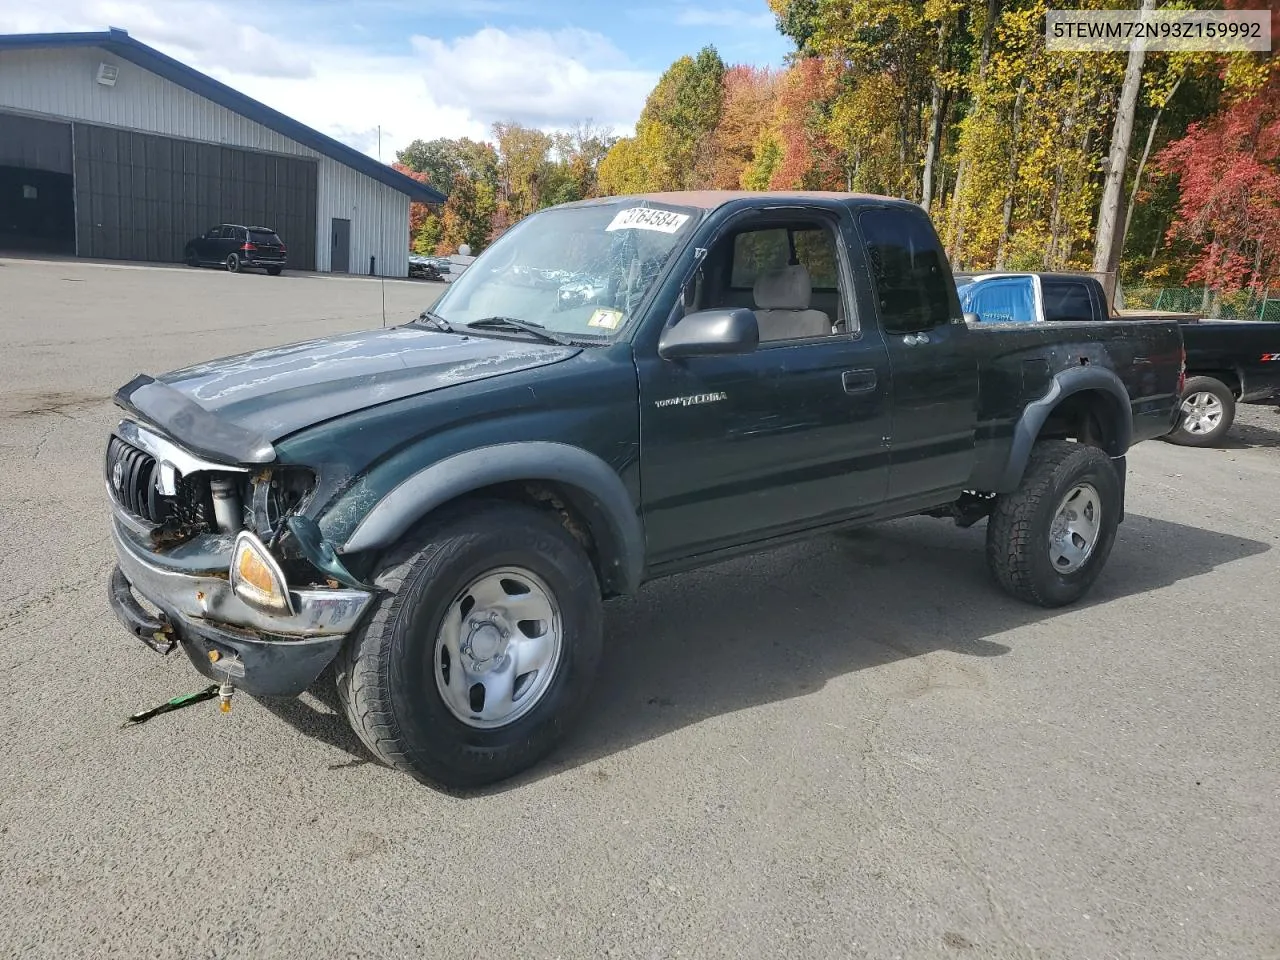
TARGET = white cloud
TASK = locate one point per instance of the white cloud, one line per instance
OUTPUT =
(349, 95)
(436, 87)
(540, 77)
(200, 33)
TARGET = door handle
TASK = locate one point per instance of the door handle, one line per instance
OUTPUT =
(915, 339)
(859, 381)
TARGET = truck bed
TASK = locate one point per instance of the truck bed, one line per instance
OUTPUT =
(1017, 362)
(1247, 351)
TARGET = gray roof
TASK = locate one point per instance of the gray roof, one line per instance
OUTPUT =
(120, 43)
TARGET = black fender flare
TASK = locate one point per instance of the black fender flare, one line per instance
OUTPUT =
(600, 495)
(1066, 384)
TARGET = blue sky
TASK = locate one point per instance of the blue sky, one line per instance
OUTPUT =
(651, 33)
(427, 68)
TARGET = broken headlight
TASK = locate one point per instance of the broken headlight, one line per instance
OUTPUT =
(276, 493)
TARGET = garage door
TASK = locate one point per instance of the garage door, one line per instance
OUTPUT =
(142, 197)
(36, 208)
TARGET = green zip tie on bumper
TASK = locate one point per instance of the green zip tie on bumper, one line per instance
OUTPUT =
(177, 703)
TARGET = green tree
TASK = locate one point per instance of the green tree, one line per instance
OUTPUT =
(637, 164)
(426, 238)
(765, 157)
(467, 216)
(442, 159)
(439, 159)
(524, 166)
(675, 130)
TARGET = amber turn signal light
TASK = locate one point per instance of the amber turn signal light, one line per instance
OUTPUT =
(256, 578)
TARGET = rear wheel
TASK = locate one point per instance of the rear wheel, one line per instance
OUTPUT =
(233, 263)
(1048, 540)
(1207, 413)
(482, 650)
(274, 271)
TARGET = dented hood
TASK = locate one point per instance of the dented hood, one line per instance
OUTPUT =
(276, 392)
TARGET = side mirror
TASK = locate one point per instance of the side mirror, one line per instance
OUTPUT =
(972, 318)
(711, 333)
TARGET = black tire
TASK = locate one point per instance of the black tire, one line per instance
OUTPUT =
(274, 271)
(189, 257)
(1019, 530)
(233, 263)
(386, 674)
(1186, 433)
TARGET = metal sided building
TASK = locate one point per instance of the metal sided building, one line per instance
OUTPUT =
(111, 149)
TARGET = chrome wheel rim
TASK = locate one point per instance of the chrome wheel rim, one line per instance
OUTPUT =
(498, 648)
(1075, 529)
(1201, 413)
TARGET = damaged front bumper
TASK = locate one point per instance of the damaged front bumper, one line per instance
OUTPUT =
(227, 639)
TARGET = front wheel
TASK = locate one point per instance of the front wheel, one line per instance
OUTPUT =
(480, 653)
(1049, 539)
(1208, 409)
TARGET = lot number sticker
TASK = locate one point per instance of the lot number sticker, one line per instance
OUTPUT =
(604, 317)
(648, 218)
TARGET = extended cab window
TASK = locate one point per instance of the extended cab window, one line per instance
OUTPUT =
(1067, 300)
(909, 269)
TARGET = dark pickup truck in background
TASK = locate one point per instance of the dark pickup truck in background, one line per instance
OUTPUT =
(1228, 361)
(616, 390)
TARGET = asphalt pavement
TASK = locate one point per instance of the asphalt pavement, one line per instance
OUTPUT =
(852, 747)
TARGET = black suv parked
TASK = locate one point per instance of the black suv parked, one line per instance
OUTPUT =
(233, 246)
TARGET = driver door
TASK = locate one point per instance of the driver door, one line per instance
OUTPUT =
(743, 448)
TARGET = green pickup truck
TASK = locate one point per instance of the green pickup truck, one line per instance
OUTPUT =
(616, 390)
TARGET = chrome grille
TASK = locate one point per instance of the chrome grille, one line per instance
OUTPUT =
(131, 478)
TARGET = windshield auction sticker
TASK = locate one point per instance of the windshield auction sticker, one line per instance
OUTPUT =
(605, 317)
(648, 218)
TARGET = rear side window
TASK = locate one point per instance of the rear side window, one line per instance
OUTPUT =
(1006, 301)
(1067, 300)
(263, 236)
(760, 251)
(913, 285)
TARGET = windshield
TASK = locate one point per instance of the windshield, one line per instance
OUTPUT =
(577, 271)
